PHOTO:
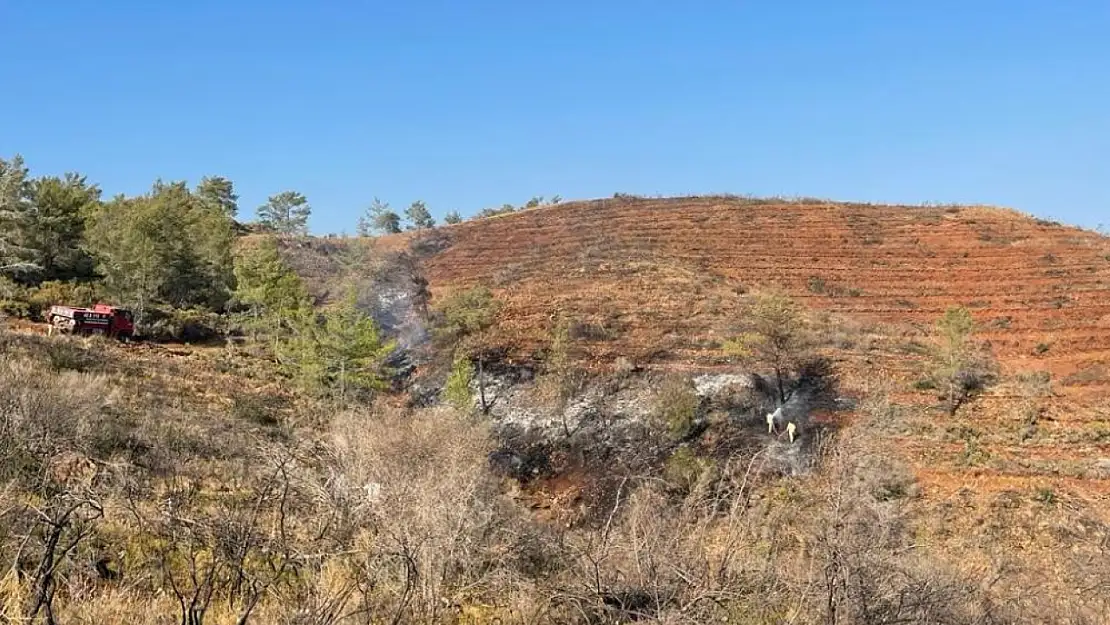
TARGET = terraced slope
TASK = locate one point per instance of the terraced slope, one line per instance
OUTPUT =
(659, 282)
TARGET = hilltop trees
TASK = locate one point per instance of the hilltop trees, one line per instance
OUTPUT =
(452, 218)
(419, 217)
(379, 218)
(286, 213)
(42, 224)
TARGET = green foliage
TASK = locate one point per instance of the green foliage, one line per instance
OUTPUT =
(379, 218)
(338, 351)
(684, 468)
(452, 218)
(465, 314)
(286, 213)
(71, 293)
(219, 192)
(458, 323)
(56, 225)
(419, 217)
(457, 390)
(16, 258)
(183, 324)
(778, 338)
(167, 247)
(266, 284)
(504, 209)
(677, 406)
(961, 367)
(562, 378)
(1046, 496)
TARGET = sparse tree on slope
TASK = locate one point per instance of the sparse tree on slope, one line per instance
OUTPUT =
(963, 368)
(379, 218)
(419, 217)
(452, 218)
(286, 213)
(777, 340)
(461, 320)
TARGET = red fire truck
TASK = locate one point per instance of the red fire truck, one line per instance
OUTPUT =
(100, 319)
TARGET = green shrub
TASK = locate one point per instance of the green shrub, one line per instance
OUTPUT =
(15, 308)
(684, 468)
(185, 325)
(925, 384)
(13, 299)
(457, 390)
(677, 406)
(816, 284)
(1047, 496)
(70, 293)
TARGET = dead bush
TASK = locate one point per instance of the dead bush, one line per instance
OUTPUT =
(68, 354)
(424, 506)
(43, 414)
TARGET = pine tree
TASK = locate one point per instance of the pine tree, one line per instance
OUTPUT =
(16, 258)
(286, 213)
(338, 351)
(56, 225)
(379, 218)
(419, 217)
(220, 193)
(456, 391)
(266, 284)
(460, 321)
(778, 338)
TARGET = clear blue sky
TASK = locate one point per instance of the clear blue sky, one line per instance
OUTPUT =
(477, 103)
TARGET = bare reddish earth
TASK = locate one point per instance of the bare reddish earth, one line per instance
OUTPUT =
(661, 283)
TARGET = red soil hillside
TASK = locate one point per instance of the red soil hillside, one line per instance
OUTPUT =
(656, 268)
(659, 282)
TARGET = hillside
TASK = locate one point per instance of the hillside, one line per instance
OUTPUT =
(636, 479)
(659, 282)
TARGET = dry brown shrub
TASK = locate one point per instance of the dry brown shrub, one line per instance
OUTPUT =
(429, 524)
